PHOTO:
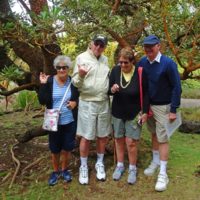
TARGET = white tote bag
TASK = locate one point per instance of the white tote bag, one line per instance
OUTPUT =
(51, 116)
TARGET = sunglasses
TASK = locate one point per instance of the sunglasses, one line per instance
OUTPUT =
(61, 67)
(123, 62)
(99, 44)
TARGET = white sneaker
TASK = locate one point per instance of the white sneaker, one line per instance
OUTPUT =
(83, 175)
(151, 169)
(101, 175)
(161, 183)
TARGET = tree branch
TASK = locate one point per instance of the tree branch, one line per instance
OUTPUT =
(30, 134)
(173, 48)
(189, 28)
(20, 88)
(115, 6)
(122, 42)
(193, 68)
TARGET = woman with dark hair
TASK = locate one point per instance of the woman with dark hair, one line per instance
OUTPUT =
(124, 86)
(51, 92)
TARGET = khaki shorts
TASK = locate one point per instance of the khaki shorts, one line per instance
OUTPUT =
(94, 119)
(156, 123)
(128, 128)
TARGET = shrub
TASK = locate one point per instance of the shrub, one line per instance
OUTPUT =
(27, 100)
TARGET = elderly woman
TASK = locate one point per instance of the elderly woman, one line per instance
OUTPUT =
(51, 92)
(124, 86)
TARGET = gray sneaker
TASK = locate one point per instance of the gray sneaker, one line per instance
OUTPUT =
(118, 173)
(132, 176)
(151, 169)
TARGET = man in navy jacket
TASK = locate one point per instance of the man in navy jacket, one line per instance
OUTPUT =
(164, 92)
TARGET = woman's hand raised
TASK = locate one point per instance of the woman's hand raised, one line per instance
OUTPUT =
(43, 78)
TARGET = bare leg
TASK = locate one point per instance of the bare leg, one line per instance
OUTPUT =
(55, 161)
(84, 147)
(101, 144)
(65, 155)
(132, 150)
(155, 144)
(120, 148)
(164, 151)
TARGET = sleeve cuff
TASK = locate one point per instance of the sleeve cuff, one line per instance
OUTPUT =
(173, 109)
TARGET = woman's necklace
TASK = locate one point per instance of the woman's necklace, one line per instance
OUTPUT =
(121, 81)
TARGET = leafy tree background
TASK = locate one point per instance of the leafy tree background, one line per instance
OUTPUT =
(46, 29)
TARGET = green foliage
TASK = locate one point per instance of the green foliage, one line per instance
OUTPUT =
(68, 46)
(109, 52)
(190, 93)
(191, 89)
(193, 84)
(80, 20)
(182, 20)
(27, 100)
(11, 73)
(191, 114)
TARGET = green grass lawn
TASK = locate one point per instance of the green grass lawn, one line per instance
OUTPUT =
(182, 170)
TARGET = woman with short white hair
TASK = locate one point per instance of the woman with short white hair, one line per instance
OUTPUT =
(51, 92)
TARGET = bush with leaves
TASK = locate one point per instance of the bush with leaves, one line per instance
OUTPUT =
(27, 100)
(11, 73)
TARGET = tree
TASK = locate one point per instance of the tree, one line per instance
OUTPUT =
(36, 36)
(181, 32)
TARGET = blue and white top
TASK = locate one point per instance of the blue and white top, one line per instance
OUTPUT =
(66, 116)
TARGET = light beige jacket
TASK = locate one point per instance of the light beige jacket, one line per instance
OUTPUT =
(94, 86)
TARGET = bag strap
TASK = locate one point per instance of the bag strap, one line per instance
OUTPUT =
(140, 86)
(64, 95)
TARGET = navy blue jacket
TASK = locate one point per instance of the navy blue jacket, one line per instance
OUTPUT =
(45, 95)
(164, 82)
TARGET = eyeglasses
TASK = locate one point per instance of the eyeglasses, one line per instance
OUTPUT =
(123, 62)
(99, 44)
(61, 67)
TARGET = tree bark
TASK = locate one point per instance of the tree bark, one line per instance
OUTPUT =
(49, 51)
(30, 134)
(4, 59)
(31, 55)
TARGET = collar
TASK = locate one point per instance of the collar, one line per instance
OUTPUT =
(92, 54)
(157, 58)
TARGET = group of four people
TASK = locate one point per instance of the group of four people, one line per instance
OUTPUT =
(92, 84)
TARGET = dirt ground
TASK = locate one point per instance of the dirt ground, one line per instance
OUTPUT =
(12, 125)
(36, 150)
(31, 183)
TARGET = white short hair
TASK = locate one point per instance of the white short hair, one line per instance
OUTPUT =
(64, 59)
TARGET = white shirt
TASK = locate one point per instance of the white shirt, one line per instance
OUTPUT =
(157, 58)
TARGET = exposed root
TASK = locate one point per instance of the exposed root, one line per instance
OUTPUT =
(17, 168)
(6, 177)
(39, 114)
(32, 164)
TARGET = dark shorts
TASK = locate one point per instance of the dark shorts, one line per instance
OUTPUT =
(63, 139)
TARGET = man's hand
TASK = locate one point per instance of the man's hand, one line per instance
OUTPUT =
(172, 116)
(82, 71)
